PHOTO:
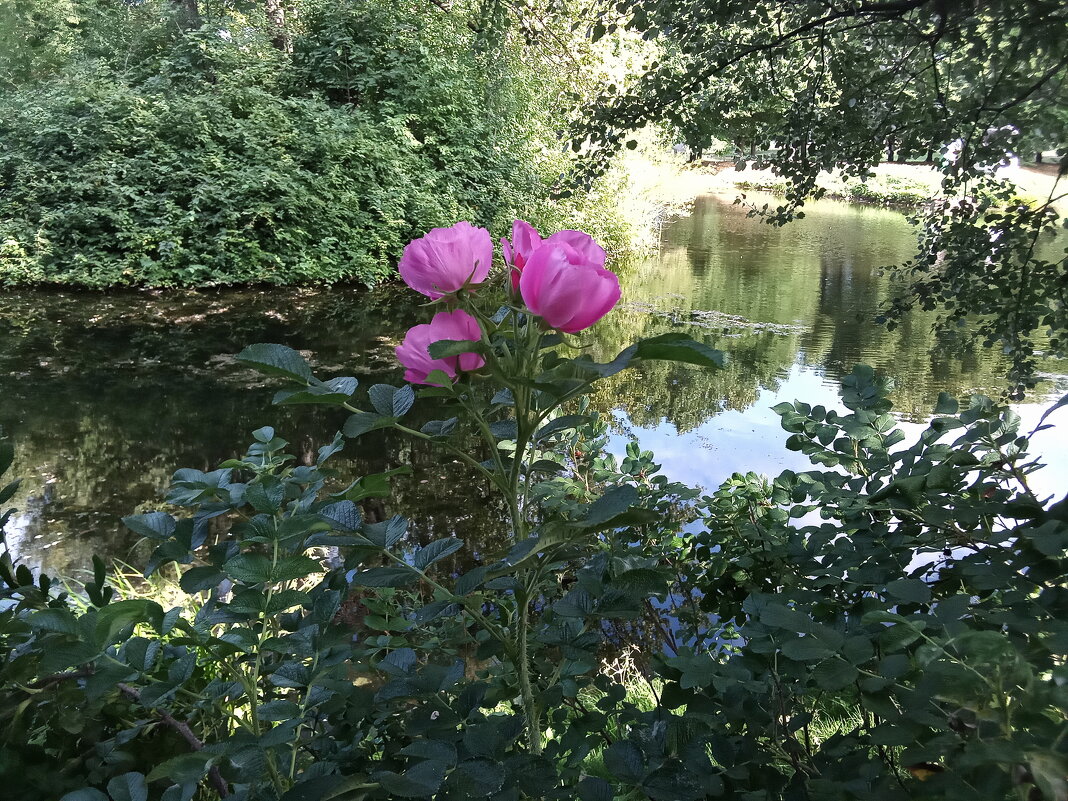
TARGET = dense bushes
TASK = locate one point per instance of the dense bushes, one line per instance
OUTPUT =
(141, 153)
(103, 185)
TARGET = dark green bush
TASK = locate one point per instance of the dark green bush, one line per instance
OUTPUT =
(142, 153)
(103, 185)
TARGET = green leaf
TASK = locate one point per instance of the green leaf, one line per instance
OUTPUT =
(154, 525)
(385, 577)
(58, 620)
(115, 617)
(504, 429)
(834, 674)
(806, 649)
(477, 778)
(361, 422)
(440, 428)
(563, 423)
(387, 533)
(947, 404)
(334, 392)
(444, 348)
(435, 551)
(909, 591)
(680, 348)
(431, 749)
(641, 582)
(593, 788)
(392, 401)
(249, 568)
(294, 567)
(276, 360)
(624, 761)
(85, 794)
(182, 769)
(198, 579)
(420, 781)
(609, 506)
(1050, 770)
(265, 495)
(128, 787)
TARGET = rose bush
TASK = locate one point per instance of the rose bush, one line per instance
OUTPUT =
(892, 627)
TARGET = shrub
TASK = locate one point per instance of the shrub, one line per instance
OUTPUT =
(102, 185)
(892, 624)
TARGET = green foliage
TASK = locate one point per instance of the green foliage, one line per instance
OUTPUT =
(138, 151)
(836, 87)
(918, 585)
(889, 625)
(235, 186)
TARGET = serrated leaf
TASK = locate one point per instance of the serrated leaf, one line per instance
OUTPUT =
(197, 579)
(392, 401)
(624, 761)
(679, 348)
(334, 392)
(294, 567)
(431, 749)
(834, 674)
(128, 787)
(387, 533)
(641, 582)
(361, 422)
(345, 515)
(909, 591)
(85, 794)
(276, 360)
(435, 551)
(504, 429)
(249, 568)
(420, 781)
(563, 423)
(806, 649)
(154, 525)
(440, 428)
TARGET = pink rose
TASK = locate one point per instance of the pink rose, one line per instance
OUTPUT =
(568, 286)
(414, 352)
(525, 240)
(447, 259)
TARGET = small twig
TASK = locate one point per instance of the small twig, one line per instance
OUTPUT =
(187, 734)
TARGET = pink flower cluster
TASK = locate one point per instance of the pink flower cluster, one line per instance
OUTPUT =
(561, 279)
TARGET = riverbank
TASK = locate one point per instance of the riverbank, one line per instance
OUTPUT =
(665, 185)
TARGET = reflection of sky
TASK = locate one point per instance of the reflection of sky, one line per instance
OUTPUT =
(752, 440)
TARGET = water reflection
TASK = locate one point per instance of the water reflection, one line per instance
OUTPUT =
(105, 395)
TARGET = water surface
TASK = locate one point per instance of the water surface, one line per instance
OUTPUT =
(105, 395)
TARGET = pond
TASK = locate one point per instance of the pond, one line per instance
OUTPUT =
(105, 395)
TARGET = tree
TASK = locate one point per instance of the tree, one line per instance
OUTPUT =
(838, 85)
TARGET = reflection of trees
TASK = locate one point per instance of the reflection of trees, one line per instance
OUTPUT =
(115, 392)
(822, 272)
(687, 396)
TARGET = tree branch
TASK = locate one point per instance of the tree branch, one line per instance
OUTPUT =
(187, 734)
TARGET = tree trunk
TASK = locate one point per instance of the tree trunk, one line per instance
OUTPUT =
(890, 149)
(276, 18)
(188, 14)
(1038, 157)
